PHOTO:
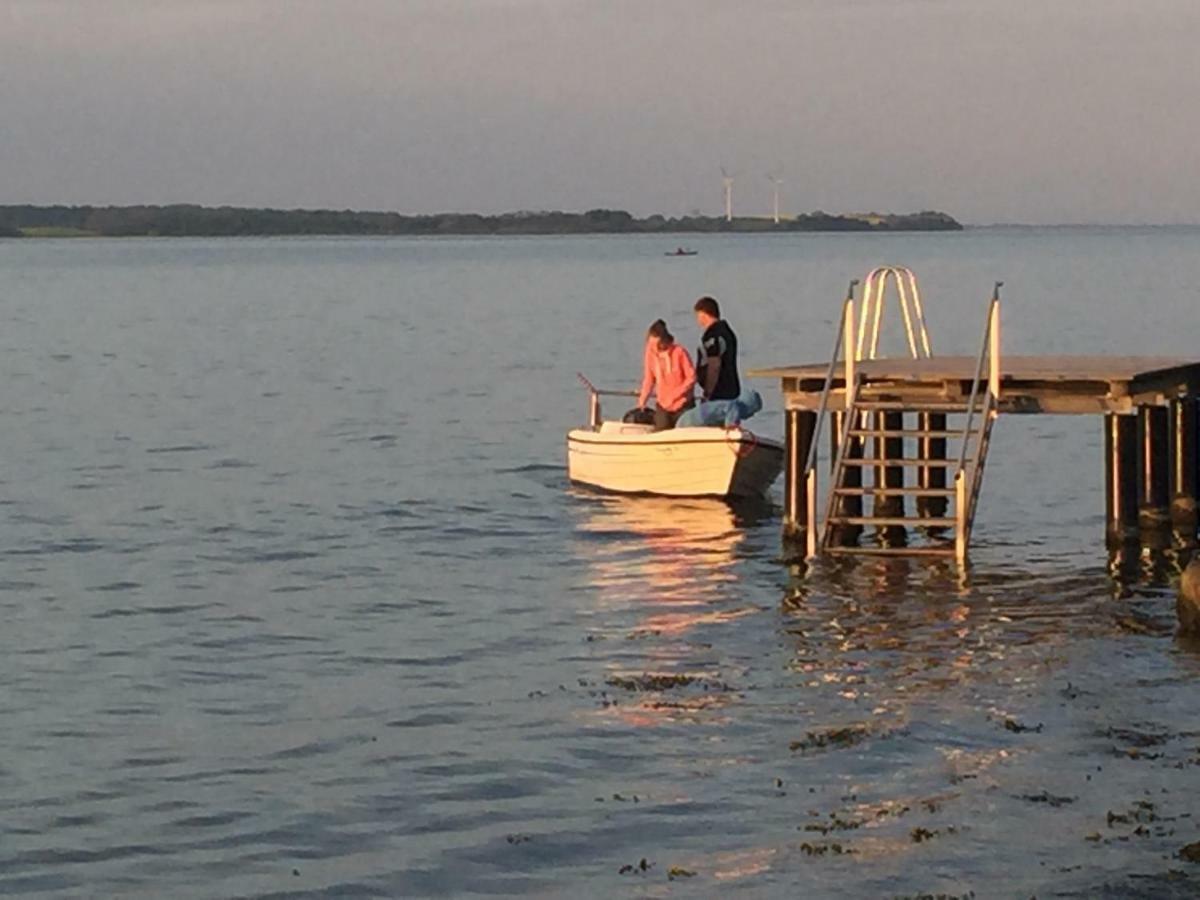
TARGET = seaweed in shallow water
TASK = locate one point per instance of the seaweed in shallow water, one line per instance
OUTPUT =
(846, 736)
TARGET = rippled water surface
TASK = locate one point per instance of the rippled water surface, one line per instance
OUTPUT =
(296, 599)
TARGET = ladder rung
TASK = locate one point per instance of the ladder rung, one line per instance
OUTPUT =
(890, 551)
(931, 463)
(893, 520)
(912, 491)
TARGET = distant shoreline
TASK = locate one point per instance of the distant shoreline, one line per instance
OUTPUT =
(185, 220)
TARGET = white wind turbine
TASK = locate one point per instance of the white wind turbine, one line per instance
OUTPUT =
(727, 180)
(776, 181)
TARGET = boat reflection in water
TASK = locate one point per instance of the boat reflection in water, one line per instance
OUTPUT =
(660, 569)
(662, 550)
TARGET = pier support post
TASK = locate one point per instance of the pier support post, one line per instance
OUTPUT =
(1154, 464)
(837, 420)
(799, 427)
(890, 505)
(1183, 471)
(1121, 480)
(932, 477)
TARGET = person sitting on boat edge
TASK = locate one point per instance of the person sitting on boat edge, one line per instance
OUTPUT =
(718, 413)
(716, 360)
(668, 369)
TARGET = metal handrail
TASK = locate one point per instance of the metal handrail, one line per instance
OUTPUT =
(920, 313)
(874, 300)
(603, 392)
(822, 408)
(992, 358)
(843, 346)
(595, 394)
(874, 293)
(964, 497)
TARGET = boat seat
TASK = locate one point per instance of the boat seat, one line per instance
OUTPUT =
(625, 428)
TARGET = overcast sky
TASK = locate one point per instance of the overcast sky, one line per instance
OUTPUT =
(992, 110)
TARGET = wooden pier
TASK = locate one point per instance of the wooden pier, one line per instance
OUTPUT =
(909, 435)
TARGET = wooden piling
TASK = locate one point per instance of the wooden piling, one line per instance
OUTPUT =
(800, 426)
(837, 420)
(1154, 520)
(1121, 480)
(931, 477)
(1184, 461)
(849, 505)
(890, 505)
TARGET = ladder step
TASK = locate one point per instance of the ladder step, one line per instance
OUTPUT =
(910, 491)
(903, 432)
(916, 406)
(890, 551)
(893, 520)
(931, 463)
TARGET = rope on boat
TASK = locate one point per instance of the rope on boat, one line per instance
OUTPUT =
(740, 446)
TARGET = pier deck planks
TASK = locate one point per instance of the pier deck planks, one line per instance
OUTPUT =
(1029, 384)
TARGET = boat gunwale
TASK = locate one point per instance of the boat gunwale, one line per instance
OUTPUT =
(744, 437)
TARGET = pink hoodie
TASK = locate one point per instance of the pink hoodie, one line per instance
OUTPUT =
(674, 374)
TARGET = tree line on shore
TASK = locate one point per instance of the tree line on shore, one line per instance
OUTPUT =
(186, 220)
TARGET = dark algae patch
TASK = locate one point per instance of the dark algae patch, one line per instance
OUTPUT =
(1139, 821)
(1140, 812)
(1135, 738)
(920, 835)
(1019, 727)
(1135, 743)
(650, 682)
(845, 736)
(835, 824)
(1048, 798)
(825, 849)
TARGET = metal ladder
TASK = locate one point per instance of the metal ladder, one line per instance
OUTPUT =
(872, 415)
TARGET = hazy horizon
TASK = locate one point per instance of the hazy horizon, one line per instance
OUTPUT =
(991, 111)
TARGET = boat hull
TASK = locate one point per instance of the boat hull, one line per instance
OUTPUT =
(682, 462)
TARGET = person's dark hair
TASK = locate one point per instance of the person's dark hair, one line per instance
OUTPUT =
(709, 306)
(658, 329)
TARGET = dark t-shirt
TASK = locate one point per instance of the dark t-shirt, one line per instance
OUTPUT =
(719, 340)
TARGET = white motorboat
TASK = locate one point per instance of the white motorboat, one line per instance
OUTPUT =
(681, 462)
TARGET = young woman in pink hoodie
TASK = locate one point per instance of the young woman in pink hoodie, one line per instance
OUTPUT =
(667, 367)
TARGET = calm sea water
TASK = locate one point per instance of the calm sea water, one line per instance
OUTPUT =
(296, 600)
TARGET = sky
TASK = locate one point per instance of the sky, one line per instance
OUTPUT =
(1036, 111)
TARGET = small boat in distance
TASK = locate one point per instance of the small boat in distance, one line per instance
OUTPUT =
(679, 251)
(628, 458)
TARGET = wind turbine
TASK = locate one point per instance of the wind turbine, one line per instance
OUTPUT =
(776, 181)
(727, 180)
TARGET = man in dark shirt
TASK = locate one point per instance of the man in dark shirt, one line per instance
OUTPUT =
(716, 362)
